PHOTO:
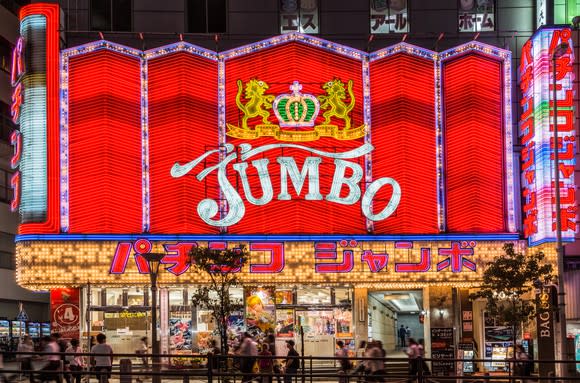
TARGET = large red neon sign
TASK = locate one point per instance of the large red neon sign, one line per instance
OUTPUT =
(122, 134)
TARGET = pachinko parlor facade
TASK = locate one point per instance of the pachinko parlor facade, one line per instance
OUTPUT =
(369, 188)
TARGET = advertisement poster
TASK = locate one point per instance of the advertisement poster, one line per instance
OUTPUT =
(285, 323)
(343, 322)
(498, 334)
(284, 297)
(260, 310)
(64, 312)
(442, 350)
(180, 333)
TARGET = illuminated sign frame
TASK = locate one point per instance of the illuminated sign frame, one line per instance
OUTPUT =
(438, 59)
(536, 126)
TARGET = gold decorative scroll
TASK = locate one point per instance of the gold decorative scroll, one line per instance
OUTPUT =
(296, 135)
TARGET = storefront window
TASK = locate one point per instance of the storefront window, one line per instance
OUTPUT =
(176, 298)
(313, 296)
(114, 297)
(284, 297)
(135, 297)
(342, 296)
(96, 297)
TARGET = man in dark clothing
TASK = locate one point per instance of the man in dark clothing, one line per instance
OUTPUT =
(402, 336)
(292, 362)
(276, 366)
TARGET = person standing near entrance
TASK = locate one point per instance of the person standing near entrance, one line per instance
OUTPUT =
(103, 364)
(402, 336)
(292, 362)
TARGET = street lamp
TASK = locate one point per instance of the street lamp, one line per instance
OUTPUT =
(154, 260)
(559, 51)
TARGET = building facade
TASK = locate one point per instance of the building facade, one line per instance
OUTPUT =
(368, 156)
(34, 304)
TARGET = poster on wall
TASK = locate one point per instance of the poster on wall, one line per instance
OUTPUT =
(285, 323)
(180, 332)
(442, 351)
(260, 310)
(343, 318)
(64, 312)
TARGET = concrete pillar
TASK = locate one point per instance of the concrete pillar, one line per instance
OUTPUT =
(360, 315)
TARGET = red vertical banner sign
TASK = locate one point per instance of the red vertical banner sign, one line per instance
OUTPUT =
(65, 312)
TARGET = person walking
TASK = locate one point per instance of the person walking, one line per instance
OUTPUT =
(421, 348)
(344, 362)
(271, 340)
(292, 362)
(76, 362)
(402, 336)
(375, 363)
(248, 351)
(266, 364)
(523, 366)
(103, 364)
(413, 354)
(26, 345)
(51, 369)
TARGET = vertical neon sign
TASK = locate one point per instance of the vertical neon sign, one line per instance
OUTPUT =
(536, 130)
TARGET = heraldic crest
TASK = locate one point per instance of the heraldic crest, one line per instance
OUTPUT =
(296, 110)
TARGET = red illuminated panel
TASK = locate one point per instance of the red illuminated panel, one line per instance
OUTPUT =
(182, 126)
(472, 97)
(312, 67)
(105, 144)
(52, 223)
(403, 134)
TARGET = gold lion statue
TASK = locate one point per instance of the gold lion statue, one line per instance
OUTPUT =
(334, 101)
(257, 101)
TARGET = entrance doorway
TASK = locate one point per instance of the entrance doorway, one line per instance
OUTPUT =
(391, 309)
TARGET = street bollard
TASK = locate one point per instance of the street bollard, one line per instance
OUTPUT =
(125, 369)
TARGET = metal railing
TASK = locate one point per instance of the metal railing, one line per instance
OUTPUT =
(235, 368)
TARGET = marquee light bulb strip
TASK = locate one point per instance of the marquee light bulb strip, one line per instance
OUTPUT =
(496, 53)
(145, 146)
(368, 163)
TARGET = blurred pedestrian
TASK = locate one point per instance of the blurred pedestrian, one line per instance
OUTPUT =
(376, 363)
(25, 360)
(271, 340)
(76, 362)
(102, 364)
(344, 362)
(421, 348)
(413, 354)
(51, 369)
(266, 363)
(248, 351)
(523, 365)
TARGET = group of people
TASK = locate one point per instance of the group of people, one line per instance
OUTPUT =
(60, 360)
(260, 357)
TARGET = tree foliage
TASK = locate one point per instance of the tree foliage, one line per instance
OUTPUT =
(221, 268)
(508, 284)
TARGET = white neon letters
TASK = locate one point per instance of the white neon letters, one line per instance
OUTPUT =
(208, 209)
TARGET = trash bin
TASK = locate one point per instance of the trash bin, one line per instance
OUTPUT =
(125, 368)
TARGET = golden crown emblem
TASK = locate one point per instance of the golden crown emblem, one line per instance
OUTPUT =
(296, 110)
